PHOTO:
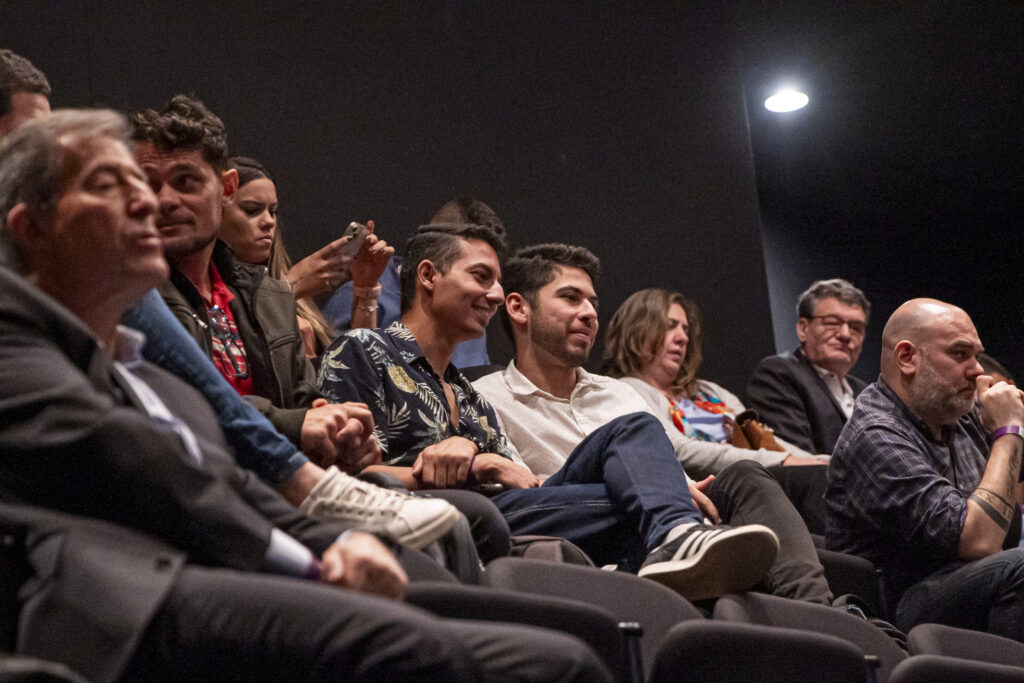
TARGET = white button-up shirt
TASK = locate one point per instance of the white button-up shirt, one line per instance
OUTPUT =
(840, 389)
(545, 428)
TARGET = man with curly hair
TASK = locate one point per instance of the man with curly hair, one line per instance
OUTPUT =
(244, 320)
(24, 92)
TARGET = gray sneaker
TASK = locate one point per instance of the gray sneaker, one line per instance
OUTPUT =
(411, 521)
(703, 561)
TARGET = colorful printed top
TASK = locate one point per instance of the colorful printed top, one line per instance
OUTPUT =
(703, 417)
(386, 370)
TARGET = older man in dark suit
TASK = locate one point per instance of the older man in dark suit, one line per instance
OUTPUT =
(90, 429)
(807, 395)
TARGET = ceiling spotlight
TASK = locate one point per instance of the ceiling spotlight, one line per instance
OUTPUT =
(786, 100)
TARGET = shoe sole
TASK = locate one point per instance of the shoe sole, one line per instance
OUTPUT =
(735, 561)
(425, 535)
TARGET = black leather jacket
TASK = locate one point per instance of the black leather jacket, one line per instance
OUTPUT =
(284, 383)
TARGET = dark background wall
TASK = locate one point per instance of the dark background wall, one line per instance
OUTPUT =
(592, 124)
(636, 131)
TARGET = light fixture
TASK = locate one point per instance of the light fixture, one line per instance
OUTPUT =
(786, 100)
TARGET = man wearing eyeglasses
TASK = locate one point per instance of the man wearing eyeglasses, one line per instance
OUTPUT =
(807, 395)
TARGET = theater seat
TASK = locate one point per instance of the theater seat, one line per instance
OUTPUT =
(711, 651)
(939, 669)
(626, 597)
(768, 610)
(851, 574)
(937, 639)
(589, 623)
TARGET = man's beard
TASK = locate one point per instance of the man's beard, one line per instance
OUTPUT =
(554, 341)
(933, 397)
(177, 248)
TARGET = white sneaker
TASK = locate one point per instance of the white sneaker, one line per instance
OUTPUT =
(411, 521)
(703, 561)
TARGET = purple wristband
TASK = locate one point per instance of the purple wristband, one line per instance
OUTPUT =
(312, 571)
(1008, 429)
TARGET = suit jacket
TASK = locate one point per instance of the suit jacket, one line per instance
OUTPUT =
(74, 437)
(79, 592)
(791, 397)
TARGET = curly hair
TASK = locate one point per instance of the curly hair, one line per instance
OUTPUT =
(17, 74)
(637, 331)
(184, 124)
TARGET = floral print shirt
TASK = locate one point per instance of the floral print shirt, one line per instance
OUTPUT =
(386, 370)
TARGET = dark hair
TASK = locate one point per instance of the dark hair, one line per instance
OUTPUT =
(184, 124)
(34, 159)
(532, 267)
(441, 244)
(17, 74)
(249, 170)
(831, 289)
(466, 209)
(637, 331)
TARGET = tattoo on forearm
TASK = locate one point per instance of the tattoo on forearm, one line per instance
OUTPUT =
(993, 505)
(1002, 500)
(993, 514)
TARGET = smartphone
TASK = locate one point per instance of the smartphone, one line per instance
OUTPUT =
(358, 233)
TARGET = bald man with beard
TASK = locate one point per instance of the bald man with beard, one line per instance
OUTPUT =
(924, 478)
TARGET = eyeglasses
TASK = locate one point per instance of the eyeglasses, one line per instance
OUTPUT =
(220, 326)
(833, 323)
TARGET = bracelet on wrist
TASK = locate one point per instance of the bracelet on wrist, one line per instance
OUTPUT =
(366, 292)
(1007, 429)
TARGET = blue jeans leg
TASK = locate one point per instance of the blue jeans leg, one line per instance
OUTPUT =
(633, 458)
(984, 595)
(257, 445)
(581, 513)
(620, 491)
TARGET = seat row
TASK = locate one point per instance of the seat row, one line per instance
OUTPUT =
(647, 632)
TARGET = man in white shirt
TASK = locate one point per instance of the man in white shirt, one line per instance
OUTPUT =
(548, 405)
(807, 395)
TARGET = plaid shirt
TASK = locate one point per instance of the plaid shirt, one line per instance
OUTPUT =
(386, 370)
(896, 496)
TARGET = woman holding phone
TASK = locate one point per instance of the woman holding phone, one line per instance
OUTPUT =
(250, 227)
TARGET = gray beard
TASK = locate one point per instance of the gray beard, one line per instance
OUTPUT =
(933, 398)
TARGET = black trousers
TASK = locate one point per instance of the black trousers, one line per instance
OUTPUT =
(805, 486)
(746, 493)
(224, 625)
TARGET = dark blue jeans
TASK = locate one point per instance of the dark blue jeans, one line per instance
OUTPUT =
(257, 445)
(620, 491)
(984, 595)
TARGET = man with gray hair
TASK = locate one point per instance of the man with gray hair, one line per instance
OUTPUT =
(807, 394)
